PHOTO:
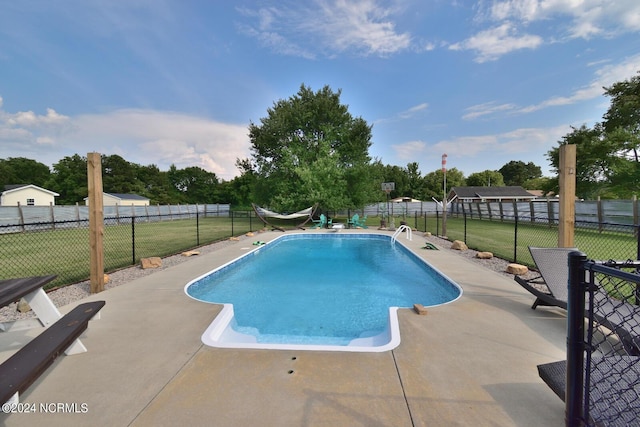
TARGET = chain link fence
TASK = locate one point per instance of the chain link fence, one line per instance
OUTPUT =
(602, 366)
(62, 247)
(509, 237)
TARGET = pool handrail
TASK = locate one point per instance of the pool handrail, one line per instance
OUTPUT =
(399, 230)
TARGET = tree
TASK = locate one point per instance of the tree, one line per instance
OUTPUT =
(486, 178)
(595, 160)
(607, 163)
(196, 184)
(239, 191)
(69, 179)
(622, 119)
(434, 182)
(20, 170)
(119, 176)
(399, 177)
(309, 149)
(156, 185)
(518, 172)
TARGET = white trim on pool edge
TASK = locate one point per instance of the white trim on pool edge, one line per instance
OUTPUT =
(221, 334)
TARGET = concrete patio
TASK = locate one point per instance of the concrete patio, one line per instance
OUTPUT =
(472, 362)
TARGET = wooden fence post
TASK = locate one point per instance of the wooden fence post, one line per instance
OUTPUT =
(96, 222)
(567, 209)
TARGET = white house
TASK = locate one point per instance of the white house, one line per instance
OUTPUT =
(113, 199)
(27, 195)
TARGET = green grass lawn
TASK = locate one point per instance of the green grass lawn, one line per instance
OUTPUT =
(65, 252)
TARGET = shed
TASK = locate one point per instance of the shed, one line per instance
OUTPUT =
(113, 199)
(27, 195)
(490, 194)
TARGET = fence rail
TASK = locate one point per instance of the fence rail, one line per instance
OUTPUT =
(509, 237)
(61, 247)
(54, 215)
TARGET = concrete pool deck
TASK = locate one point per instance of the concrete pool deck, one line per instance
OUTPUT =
(472, 362)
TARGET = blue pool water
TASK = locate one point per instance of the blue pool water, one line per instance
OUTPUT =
(320, 289)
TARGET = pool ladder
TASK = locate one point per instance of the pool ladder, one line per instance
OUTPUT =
(400, 230)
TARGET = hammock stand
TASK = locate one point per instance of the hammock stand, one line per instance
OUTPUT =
(262, 213)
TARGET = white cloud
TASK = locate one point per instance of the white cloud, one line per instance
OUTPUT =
(330, 26)
(165, 138)
(30, 119)
(588, 18)
(413, 111)
(140, 136)
(488, 108)
(491, 44)
(517, 141)
(604, 77)
(409, 150)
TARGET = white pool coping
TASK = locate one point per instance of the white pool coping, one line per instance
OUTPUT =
(221, 334)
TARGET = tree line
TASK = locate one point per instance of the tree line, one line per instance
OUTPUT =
(193, 185)
(309, 149)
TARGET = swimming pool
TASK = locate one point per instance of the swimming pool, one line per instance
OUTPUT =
(320, 291)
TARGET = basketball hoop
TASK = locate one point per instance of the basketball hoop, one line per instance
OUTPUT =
(388, 187)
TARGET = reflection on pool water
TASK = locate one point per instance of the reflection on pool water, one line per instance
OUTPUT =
(319, 292)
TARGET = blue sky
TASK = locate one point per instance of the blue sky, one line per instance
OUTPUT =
(178, 82)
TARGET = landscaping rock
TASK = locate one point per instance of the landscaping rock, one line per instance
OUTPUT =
(190, 253)
(459, 245)
(23, 306)
(517, 269)
(151, 262)
(484, 255)
(420, 309)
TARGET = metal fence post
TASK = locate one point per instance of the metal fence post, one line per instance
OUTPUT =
(133, 240)
(231, 213)
(197, 227)
(575, 340)
(515, 239)
(464, 220)
(637, 233)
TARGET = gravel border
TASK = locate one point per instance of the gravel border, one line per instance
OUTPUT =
(77, 291)
(72, 293)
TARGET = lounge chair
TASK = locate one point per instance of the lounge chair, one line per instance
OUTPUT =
(552, 264)
(323, 222)
(620, 317)
(355, 221)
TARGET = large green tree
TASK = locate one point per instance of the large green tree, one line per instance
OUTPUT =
(434, 182)
(157, 186)
(120, 176)
(486, 178)
(608, 161)
(517, 172)
(69, 179)
(195, 184)
(310, 149)
(20, 170)
(622, 119)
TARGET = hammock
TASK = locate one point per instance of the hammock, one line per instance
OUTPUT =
(262, 213)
